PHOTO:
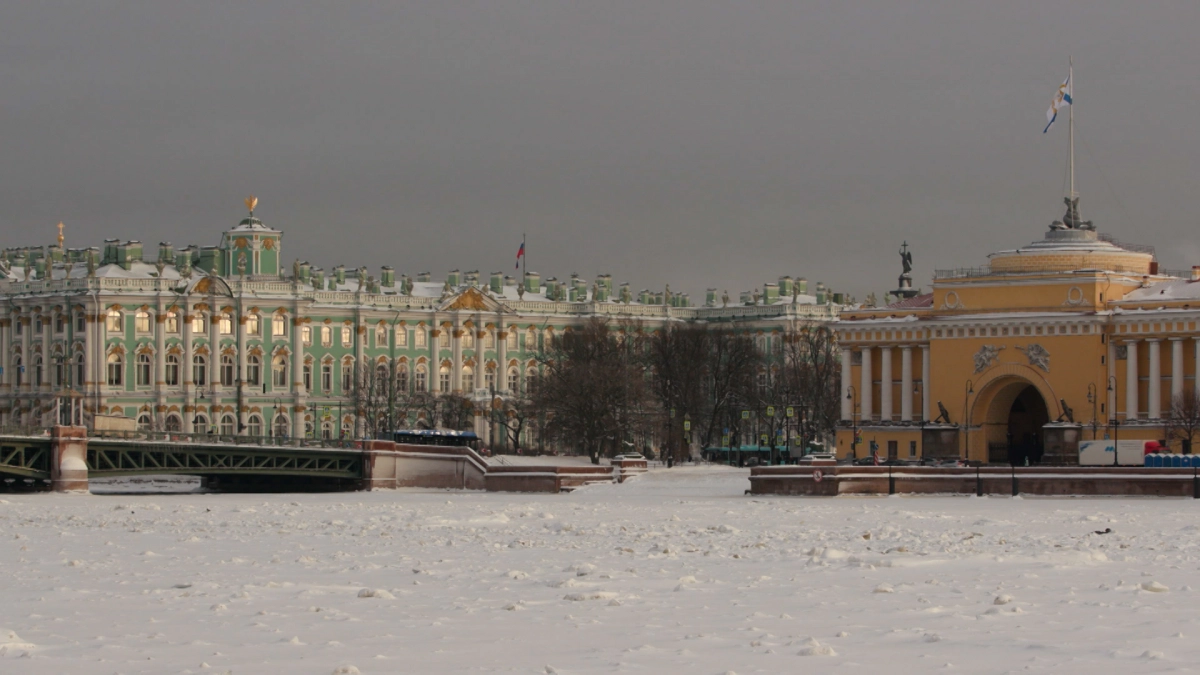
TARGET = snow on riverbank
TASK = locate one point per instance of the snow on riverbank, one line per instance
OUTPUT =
(676, 571)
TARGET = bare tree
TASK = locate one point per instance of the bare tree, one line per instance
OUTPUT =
(1184, 422)
(813, 368)
(516, 413)
(591, 387)
(378, 399)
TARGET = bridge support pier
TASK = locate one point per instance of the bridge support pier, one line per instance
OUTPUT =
(68, 459)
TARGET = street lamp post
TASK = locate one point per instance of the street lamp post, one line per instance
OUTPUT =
(970, 389)
(852, 394)
(1092, 398)
(917, 389)
(1112, 417)
(275, 415)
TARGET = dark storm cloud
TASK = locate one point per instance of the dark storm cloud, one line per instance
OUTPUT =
(682, 141)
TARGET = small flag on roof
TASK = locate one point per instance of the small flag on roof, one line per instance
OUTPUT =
(1061, 98)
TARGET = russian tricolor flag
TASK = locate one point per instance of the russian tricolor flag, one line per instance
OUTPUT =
(520, 252)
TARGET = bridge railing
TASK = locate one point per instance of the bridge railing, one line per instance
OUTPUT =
(221, 439)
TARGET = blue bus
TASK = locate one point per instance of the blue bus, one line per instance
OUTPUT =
(443, 437)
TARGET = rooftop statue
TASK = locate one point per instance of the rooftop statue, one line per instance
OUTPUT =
(906, 258)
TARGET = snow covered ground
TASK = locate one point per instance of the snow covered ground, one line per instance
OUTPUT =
(675, 572)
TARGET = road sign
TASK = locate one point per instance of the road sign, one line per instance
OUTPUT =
(791, 412)
(770, 411)
(764, 439)
(724, 441)
(745, 414)
(817, 475)
(687, 425)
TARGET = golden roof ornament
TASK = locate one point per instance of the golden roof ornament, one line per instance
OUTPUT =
(60, 235)
(251, 202)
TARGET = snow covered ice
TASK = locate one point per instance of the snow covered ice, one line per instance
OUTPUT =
(675, 571)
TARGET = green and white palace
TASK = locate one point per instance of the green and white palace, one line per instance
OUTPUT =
(226, 339)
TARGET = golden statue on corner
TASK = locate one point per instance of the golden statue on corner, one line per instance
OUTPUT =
(251, 202)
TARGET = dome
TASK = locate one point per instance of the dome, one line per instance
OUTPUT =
(1068, 250)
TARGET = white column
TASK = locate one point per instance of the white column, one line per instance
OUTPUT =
(1196, 368)
(240, 376)
(456, 349)
(925, 372)
(160, 364)
(502, 358)
(48, 352)
(214, 354)
(1154, 388)
(844, 392)
(1131, 381)
(906, 383)
(885, 383)
(866, 383)
(298, 390)
(188, 417)
(1176, 370)
(431, 376)
(1111, 377)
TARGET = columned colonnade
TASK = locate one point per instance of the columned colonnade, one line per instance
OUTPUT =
(865, 388)
(1154, 407)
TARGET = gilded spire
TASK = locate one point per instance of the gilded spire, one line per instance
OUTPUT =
(60, 235)
(251, 202)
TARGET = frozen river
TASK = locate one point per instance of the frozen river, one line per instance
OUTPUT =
(677, 571)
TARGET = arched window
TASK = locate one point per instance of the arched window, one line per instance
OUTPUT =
(227, 424)
(381, 335)
(279, 371)
(468, 379)
(381, 375)
(327, 429)
(113, 321)
(227, 370)
(443, 340)
(200, 423)
(308, 429)
(19, 369)
(171, 325)
(116, 370)
(514, 380)
(347, 375)
(254, 425)
(468, 339)
(279, 326)
(421, 378)
(402, 377)
(531, 340)
(60, 370)
(253, 325)
(225, 324)
(199, 370)
(143, 422)
(171, 374)
(530, 376)
(37, 370)
(444, 379)
(141, 321)
(281, 426)
(326, 336)
(79, 371)
(489, 340)
(327, 377)
(254, 370)
(347, 427)
(174, 424)
(142, 370)
(419, 337)
(308, 376)
(489, 379)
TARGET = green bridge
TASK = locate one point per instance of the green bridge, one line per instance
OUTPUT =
(27, 461)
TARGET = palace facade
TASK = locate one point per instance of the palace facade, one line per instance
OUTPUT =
(1073, 337)
(226, 338)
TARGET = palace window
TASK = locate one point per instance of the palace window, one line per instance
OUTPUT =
(347, 375)
(530, 379)
(253, 370)
(489, 379)
(381, 375)
(37, 371)
(60, 323)
(308, 376)
(112, 322)
(279, 326)
(37, 325)
(281, 425)
(60, 371)
(468, 339)
(327, 377)
(381, 333)
(116, 370)
(531, 340)
(443, 340)
(19, 370)
(142, 369)
(143, 422)
(489, 340)
(254, 425)
(253, 325)
(468, 379)
(402, 377)
(171, 374)
(326, 336)
(444, 379)
(327, 430)
(227, 425)
(514, 380)
(171, 325)
(420, 379)
(306, 335)
(173, 424)
(141, 321)
(79, 371)
(279, 371)
(200, 370)
(401, 336)
(200, 423)
(19, 326)
(347, 336)
(225, 325)
(80, 322)
(227, 370)
(419, 337)
(510, 340)
(198, 323)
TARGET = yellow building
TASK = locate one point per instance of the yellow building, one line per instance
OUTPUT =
(1072, 337)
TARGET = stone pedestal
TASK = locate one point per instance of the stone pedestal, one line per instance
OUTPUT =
(905, 289)
(1061, 443)
(68, 459)
(940, 442)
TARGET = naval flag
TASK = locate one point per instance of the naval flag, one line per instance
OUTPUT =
(1061, 97)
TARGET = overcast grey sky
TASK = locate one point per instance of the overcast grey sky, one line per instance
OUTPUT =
(685, 141)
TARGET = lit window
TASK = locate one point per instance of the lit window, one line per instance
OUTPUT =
(279, 371)
(253, 325)
(279, 326)
(141, 321)
(468, 379)
(225, 325)
(419, 337)
(489, 340)
(198, 323)
(116, 370)
(401, 336)
(381, 333)
(420, 379)
(346, 336)
(489, 379)
(443, 340)
(326, 336)
(468, 339)
(306, 335)
(113, 322)
(511, 339)
(444, 379)
(172, 323)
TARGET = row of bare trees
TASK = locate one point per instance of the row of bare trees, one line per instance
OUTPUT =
(606, 388)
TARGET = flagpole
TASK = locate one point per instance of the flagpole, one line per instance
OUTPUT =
(524, 260)
(1071, 120)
